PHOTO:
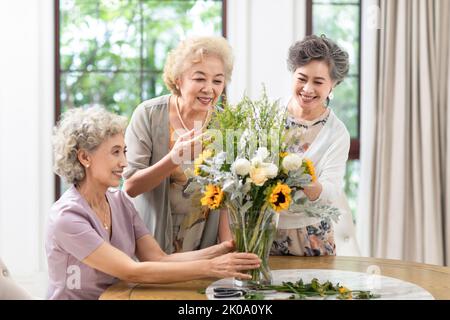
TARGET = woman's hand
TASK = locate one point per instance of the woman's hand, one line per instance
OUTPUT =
(230, 265)
(313, 190)
(187, 147)
(202, 254)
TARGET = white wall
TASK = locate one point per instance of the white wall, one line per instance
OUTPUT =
(26, 119)
(261, 32)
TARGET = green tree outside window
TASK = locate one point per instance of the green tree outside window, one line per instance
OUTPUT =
(340, 20)
(112, 52)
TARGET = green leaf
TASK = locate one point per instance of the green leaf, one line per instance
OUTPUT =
(254, 296)
(201, 291)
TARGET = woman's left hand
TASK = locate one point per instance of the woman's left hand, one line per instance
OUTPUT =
(313, 190)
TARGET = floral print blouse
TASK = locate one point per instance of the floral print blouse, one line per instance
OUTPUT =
(312, 240)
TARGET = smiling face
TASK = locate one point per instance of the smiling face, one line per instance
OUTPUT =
(311, 85)
(107, 161)
(202, 84)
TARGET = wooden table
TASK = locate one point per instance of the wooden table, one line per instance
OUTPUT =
(435, 279)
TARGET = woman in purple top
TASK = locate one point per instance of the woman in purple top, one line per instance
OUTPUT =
(94, 232)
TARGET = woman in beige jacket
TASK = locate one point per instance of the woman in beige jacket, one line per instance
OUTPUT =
(196, 73)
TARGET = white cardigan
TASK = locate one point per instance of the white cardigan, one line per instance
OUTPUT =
(329, 153)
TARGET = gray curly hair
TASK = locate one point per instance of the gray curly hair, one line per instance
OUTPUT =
(82, 129)
(192, 50)
(319, 48)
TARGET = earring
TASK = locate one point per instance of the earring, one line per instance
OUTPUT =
(87, 166)
(331, 95)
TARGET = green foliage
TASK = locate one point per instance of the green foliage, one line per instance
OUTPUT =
(254, 296)
(113, 51)
(201, 291)
(341, 24)
(260, 117)
(351, 179)
(315, 288)
(230, 122)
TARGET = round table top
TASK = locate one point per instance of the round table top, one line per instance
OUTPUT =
(434, 279)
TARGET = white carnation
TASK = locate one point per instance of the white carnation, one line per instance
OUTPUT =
(241, 167)
(292, 162)
(271, 170)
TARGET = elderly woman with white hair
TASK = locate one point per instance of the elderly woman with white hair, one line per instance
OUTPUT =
(94, 232)
(196, 73)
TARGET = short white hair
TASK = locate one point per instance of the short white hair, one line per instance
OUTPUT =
(82, 129)
(191, 51)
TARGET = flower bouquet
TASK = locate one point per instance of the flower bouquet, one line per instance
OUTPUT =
(246, 167)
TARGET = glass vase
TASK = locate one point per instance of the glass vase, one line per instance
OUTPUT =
(253, 231)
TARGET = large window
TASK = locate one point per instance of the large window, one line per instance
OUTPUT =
(340, 20)
(112, 52)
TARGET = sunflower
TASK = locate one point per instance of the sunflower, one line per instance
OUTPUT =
(309, 169)
(213, 197)
(280, 197)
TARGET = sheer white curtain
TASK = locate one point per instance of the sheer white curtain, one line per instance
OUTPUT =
(406, 200)
(26, 120)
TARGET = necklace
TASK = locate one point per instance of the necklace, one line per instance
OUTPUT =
(177, 106)
(105, 223)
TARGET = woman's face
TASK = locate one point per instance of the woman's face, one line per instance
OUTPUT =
(311, 85)
(202, 84)
(108, 161)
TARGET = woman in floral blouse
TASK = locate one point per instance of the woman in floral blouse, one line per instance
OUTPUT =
(318, 65)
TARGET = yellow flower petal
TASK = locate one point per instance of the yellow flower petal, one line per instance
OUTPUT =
(310, 169)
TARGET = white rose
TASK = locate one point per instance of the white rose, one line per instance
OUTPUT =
(241, 167)
(292, 162)
(271, 170)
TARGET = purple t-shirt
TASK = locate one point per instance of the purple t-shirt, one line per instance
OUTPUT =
(74, 231)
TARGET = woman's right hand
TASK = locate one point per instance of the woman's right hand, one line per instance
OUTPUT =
(186, 147)
(230, 265)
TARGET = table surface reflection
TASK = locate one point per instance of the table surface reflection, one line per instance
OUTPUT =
(435, 279)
